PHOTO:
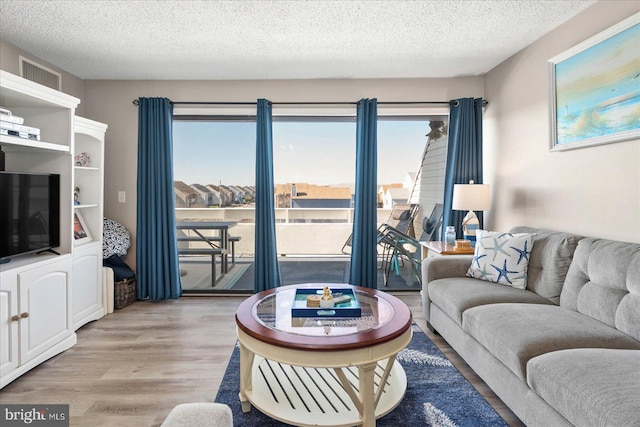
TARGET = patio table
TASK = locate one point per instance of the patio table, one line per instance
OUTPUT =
(198, 228)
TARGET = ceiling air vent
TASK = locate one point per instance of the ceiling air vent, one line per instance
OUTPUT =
(40, 74)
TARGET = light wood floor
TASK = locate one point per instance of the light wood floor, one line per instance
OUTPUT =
(133, 366)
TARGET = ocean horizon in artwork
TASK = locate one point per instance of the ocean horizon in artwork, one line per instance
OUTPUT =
(598, 89)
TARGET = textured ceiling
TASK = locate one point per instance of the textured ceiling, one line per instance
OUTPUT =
(185, 40)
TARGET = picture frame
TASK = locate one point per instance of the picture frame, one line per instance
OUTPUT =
(80, 230)
(594, 94)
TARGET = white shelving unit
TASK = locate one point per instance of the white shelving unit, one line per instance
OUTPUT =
(41, 294)
(88, 301)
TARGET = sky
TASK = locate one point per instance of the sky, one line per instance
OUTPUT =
(321, 153)
(601, 72)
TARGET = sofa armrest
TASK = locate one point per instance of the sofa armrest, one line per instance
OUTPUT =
(440, 268)
(445, 266)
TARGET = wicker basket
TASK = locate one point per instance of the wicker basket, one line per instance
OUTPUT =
(124, 293)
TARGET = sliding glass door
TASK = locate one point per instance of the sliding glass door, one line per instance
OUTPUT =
(314, 171)
(214, 172)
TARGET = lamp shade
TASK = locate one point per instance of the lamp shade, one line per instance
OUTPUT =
(471, 197)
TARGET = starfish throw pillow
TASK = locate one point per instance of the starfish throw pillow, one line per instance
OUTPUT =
(502, 258)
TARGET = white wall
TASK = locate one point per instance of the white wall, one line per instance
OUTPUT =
(589, 191)
(110, 102)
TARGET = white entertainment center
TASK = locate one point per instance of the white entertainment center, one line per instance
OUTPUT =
(46, 297)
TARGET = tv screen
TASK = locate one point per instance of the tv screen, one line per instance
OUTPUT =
(29, 213)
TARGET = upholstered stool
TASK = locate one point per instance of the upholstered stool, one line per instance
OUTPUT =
(199, 414)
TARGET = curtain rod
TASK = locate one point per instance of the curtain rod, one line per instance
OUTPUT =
(453, 102)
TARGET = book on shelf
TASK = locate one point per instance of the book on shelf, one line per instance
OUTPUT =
(7, 116)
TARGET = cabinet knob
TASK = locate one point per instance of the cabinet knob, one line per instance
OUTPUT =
(24, 315)
(15, 318)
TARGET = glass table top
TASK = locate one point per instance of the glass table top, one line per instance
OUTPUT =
(274, 312)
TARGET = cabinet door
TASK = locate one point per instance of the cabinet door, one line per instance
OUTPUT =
(8, 326)
(45, 309)
(87, 284)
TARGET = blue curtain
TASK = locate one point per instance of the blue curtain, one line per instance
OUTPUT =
(267, 273)
(363, 270)
(158, 273)
(464, 156)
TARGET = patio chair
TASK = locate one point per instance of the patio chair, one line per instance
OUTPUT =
(399, 249)
(431, 224)
(401, 218)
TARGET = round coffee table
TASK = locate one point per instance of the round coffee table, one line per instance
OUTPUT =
(322, 371)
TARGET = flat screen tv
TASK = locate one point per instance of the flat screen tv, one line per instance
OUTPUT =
(29, 213)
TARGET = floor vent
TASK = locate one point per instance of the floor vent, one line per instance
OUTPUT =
(40, 74)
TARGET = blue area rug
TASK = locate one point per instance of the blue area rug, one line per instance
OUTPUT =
(437, 394)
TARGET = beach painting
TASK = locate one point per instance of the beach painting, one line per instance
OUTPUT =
(595, 89)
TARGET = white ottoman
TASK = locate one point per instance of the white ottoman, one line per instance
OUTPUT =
(199, 414)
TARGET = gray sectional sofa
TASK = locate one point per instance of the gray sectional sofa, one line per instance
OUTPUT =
(565, 350)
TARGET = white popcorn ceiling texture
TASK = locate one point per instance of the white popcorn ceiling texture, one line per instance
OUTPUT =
(190, 40)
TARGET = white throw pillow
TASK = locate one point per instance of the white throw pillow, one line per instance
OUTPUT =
(502, 258)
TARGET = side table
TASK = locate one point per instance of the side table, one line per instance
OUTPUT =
(430, 249)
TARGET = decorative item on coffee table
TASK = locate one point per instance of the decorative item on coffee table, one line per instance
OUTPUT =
(325, 302)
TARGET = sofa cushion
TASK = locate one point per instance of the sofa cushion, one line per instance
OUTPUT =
(502, 258)
(455, 295)
(515, 333)
(589, 387)
(628, 313)
(549, 260)
(603, 283)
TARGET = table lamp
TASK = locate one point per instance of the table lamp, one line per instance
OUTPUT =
(470, 197)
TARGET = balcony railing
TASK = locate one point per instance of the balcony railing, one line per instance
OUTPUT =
(319, 231)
